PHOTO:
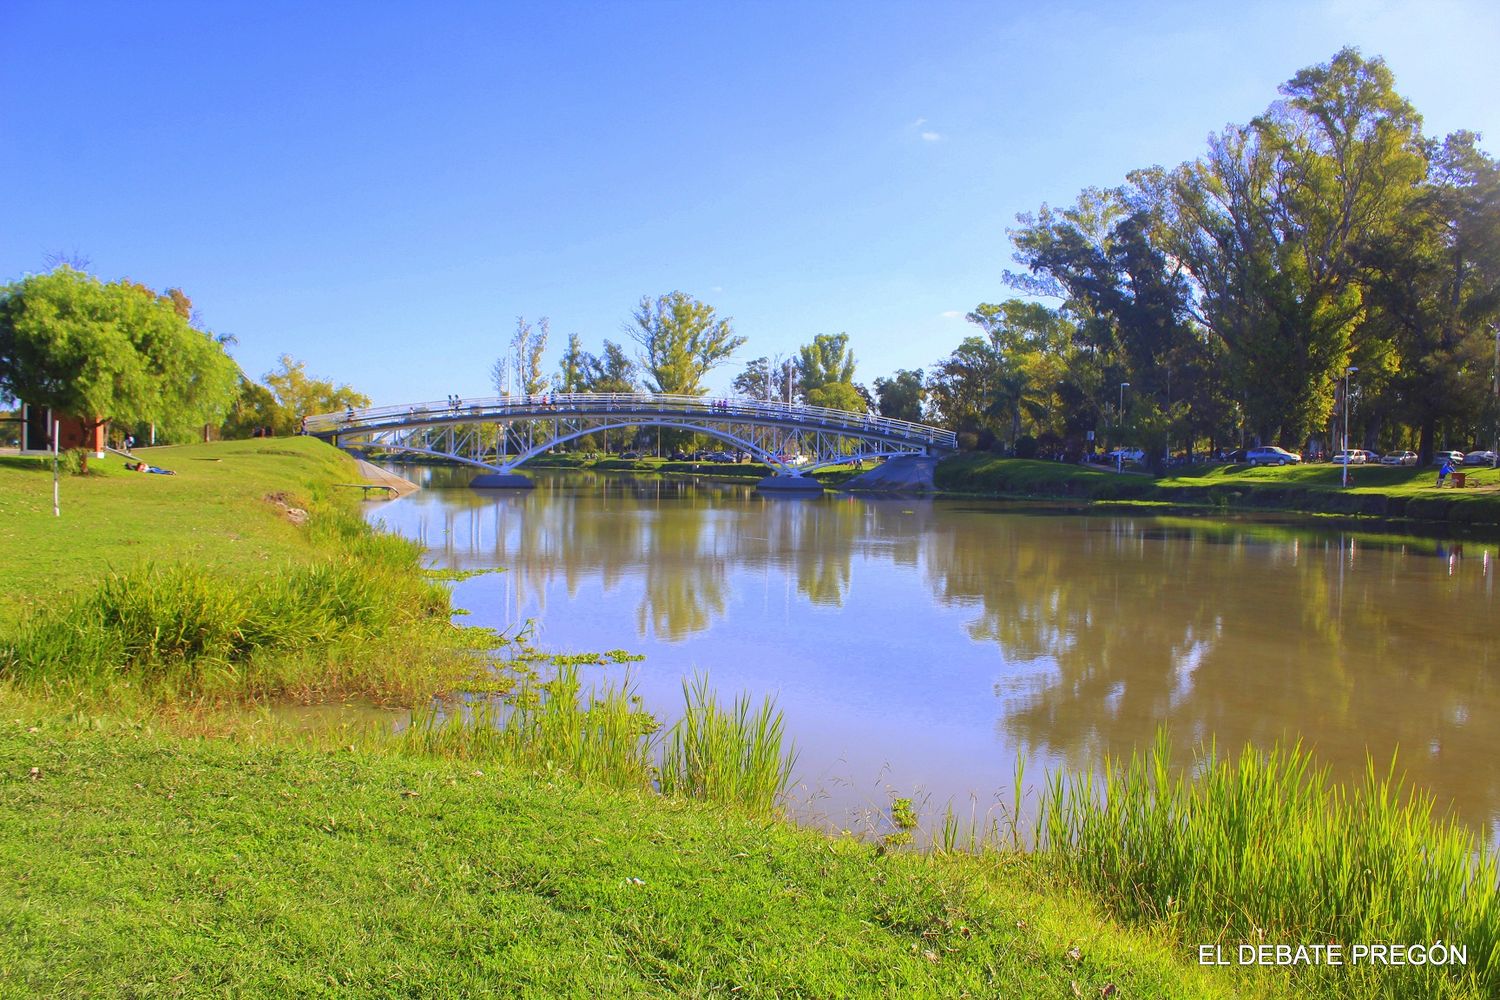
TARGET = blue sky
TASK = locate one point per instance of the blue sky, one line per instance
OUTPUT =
(381, 188)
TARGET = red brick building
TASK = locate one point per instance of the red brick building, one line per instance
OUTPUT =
(36, 432)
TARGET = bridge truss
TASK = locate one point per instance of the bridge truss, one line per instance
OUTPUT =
(501, 434)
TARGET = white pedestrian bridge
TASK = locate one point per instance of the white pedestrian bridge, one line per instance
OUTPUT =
(502, 433)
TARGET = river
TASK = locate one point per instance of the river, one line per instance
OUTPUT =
(919, 647)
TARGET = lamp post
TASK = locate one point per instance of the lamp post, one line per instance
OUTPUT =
(1347, 372)
(1119, 449)
(1495, 452)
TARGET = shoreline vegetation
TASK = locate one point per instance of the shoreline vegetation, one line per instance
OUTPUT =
(535, 826)
(1375, 493)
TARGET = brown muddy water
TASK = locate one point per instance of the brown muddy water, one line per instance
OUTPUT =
(921, 647)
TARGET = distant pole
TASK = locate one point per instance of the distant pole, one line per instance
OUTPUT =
(1119, 447)
(56, 432)
(1347, 372)
(1496, 449)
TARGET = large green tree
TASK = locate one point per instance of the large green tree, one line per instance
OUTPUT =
(571, 374)
(825, 373)
(611, 371)
(901, 396)
(681, 341)
(1270, 223)
(111, 352)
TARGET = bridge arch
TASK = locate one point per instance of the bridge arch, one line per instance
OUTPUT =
(528, 426)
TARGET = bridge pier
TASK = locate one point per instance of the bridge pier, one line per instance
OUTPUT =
(804, 485)
(501, 481)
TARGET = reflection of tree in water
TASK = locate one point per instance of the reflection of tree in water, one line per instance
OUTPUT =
(815, 541)
(684, 576)
(1226, 636)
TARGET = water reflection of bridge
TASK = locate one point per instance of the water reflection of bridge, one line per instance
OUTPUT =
(502, 434)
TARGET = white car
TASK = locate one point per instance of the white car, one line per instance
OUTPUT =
(1127, 455)
(1399, 458)
(1451, 457)
(1479, 458)
(1354, 456)
(1272, 456)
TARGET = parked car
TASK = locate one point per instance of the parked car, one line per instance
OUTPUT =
(1354, 456)
(1479, 458)
(1399, 458)
(1272, 456)
(1127, 455)
(1451, 457)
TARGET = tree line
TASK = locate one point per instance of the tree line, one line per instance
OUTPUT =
(1325, 246)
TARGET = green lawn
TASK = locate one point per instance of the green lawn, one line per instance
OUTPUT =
(1378, 491)
(142, 865)
(212, 513)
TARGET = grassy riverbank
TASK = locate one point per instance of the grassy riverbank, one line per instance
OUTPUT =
(145, 864)
(248, 575)
(1375, 491)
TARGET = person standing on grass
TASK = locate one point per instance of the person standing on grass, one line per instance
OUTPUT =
(1445, 471)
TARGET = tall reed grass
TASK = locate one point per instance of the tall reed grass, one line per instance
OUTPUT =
(730, 755)
(186, 630)
(1266, 848)
(601, 735)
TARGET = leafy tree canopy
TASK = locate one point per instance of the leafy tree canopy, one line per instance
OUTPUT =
(681, 340)
(111, 352)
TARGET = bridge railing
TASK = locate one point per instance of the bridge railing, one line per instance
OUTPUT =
(543, 405)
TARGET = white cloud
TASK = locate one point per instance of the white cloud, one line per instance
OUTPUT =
(919, 123)
(932, 136)
(953, 314)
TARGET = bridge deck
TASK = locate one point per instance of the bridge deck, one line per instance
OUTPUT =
(622, 407)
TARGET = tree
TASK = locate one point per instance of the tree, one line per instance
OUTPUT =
(825, 373)
(110, 352)
(825, 361)
(901, 396)
(761, 379)
(571, 372)
(254, 411)
(1435, 281)
(526, 347)
(1269, 226)
(612, 371)
(837, 396)
(682, 341)
(298, 395)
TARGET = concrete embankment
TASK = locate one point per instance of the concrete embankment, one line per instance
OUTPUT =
(380, 477)
(903, 474)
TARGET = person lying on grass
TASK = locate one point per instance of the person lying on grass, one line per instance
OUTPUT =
(143, 467)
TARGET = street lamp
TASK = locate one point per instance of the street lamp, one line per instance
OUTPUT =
(1347, 372)
(1119, 449)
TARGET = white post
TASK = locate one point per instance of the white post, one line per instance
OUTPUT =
(1347, 372)
(56, 432)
